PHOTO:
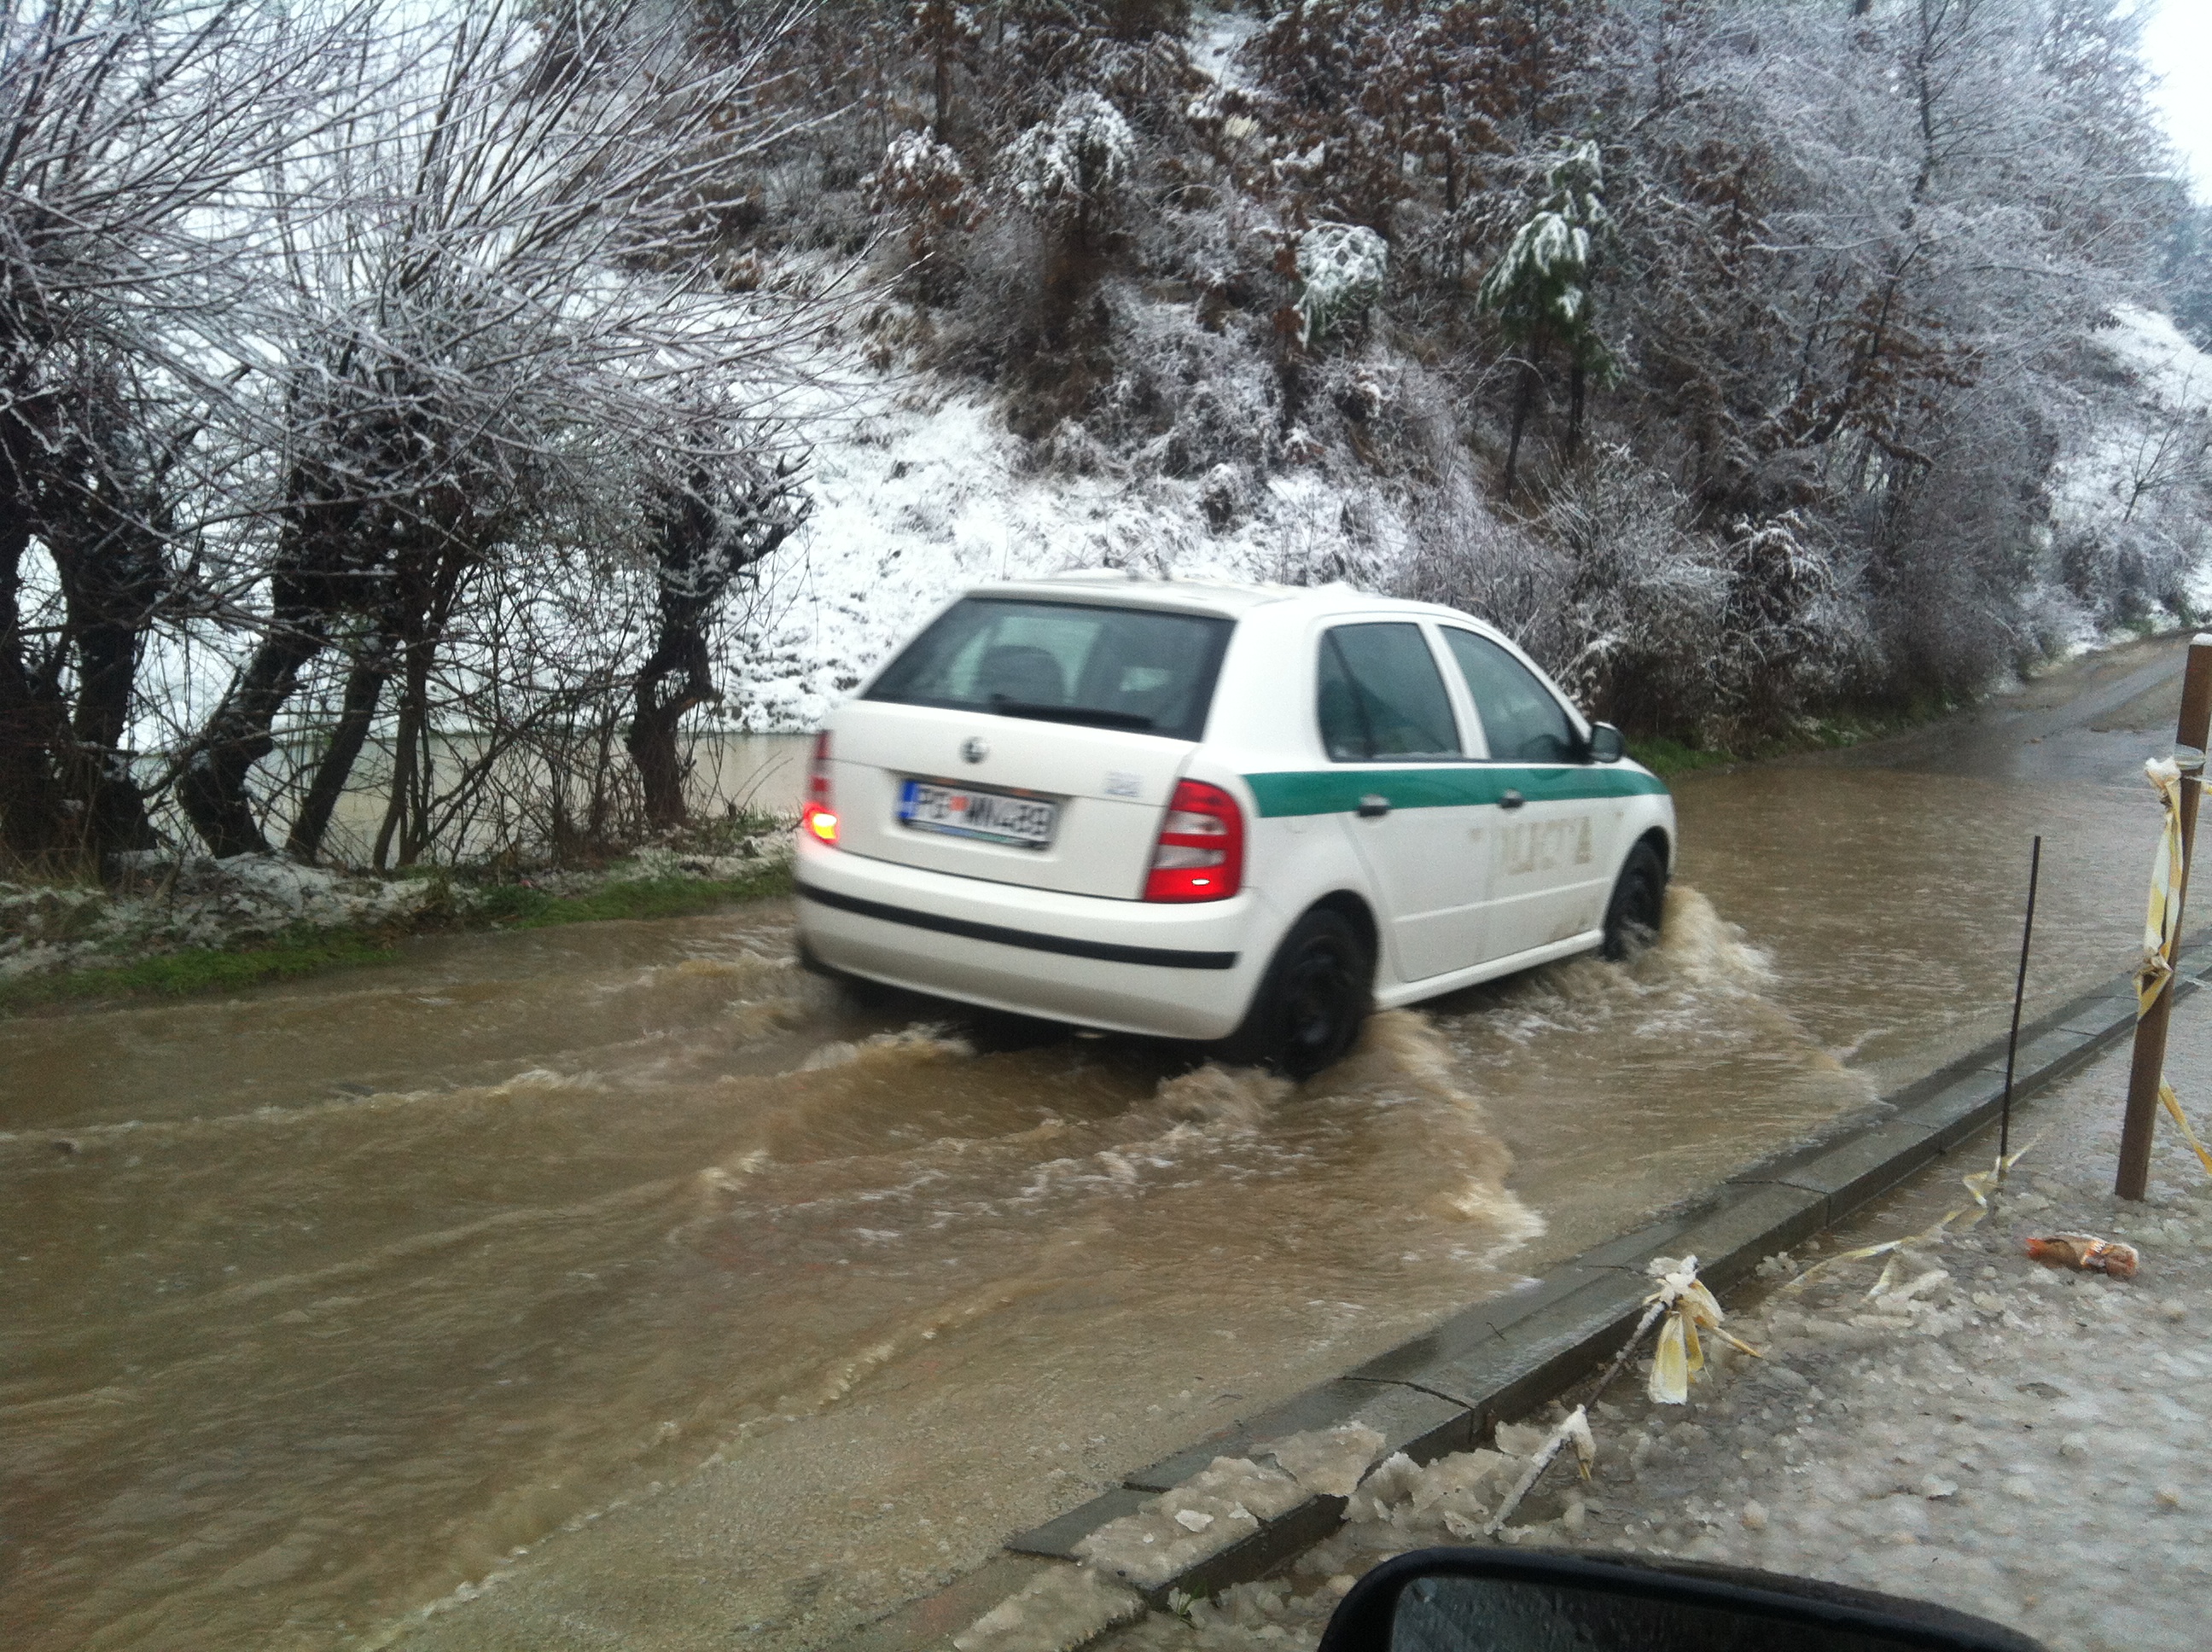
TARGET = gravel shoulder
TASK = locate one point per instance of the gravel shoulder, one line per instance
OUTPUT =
(2003, 1438)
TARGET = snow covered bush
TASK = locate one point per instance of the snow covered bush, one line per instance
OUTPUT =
(1341, 269)
(1640, 630)
(921, 183)
(1074, 169)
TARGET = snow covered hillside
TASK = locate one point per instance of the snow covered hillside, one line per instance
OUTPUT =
(921, 490)
(2130, 486)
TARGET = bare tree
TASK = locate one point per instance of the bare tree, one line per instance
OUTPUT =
(125, 131)
(501, 280)
(708, 527)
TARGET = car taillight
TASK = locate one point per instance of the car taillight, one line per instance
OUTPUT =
(818, 816)
(1200, 854)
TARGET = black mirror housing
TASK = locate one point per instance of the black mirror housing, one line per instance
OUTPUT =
(1607, 745)
(1497, 1599)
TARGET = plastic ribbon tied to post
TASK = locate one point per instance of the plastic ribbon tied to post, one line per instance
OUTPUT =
(2162, 926)
(2162, 922)
(1688, 1308)
(1980, 1185)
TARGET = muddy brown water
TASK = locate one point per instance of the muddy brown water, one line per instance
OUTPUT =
(622, 1283)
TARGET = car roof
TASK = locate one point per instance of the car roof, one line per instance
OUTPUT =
(1229, 597)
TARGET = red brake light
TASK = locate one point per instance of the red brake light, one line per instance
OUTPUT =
(818, 816)
(1200, 853)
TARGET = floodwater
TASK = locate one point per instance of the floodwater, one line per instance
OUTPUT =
(620, 1283)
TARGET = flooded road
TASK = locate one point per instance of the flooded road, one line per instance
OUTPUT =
(627, 1268)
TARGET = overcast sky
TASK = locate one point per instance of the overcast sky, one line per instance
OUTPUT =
(2179, 44)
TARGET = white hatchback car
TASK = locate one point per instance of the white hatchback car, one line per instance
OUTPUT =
(1241, 814)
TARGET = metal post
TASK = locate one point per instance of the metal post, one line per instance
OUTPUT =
(2019, 992)
(2149, 1069)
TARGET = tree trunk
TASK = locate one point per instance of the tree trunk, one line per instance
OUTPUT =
(212, 788)
(1578, 385)
(114, 807)
(674, 681)
(33, 823)
(406, 813)
(110, 585)
(364, 688)
(1522, 404)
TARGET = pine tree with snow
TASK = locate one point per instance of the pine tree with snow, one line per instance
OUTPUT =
(1540, 290)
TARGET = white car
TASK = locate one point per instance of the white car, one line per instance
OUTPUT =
(1240, 814)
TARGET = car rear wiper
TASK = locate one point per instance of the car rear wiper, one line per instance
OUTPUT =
(1096, 716)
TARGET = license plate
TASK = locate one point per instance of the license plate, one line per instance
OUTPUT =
(994, 816)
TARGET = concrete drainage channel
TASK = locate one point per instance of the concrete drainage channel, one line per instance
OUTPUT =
(1220, 1513)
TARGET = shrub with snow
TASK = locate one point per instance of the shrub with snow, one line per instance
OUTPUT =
(1073, 167)
(1342, 268)
(921, 182)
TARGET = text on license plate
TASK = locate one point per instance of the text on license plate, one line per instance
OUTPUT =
(991, 815)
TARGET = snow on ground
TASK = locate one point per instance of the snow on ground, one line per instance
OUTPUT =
(920, 490)
(194, 902)
(1215, 39)
(2168, 366)
(2012, 1441)
(2132, 476)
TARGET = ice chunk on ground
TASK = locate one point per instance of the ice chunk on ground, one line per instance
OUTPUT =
(1157, 1543)
(1391, 1482)
(1521, 1439)
(1061, 1610)
(1454, 1477)
(1329, 1461)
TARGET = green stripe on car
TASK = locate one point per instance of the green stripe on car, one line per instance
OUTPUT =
(1338, 791)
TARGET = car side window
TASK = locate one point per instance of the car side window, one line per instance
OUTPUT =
(1381, 695)
(1520, 718)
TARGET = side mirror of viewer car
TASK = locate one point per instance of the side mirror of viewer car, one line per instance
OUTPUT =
(1606, 743)
(1471, 1599)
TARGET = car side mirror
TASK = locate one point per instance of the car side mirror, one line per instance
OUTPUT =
(1481, 1600)
(1606, 743)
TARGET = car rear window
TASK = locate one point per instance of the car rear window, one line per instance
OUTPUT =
(1134, 668)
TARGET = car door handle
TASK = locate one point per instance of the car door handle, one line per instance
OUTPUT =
(1372, 807)
(1511, 800)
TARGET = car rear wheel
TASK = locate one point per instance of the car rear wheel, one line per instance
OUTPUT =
(1317, 992)
(1640, 900)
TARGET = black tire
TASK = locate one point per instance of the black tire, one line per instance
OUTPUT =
(1317, 990)
(1638, 904)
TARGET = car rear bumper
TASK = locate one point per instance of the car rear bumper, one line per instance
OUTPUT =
(1168, 971)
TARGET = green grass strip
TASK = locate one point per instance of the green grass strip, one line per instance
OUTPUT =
(1667, 758)
(306, 953)
(203, 970)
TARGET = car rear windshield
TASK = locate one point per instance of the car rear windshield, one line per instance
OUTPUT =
(1133, 668)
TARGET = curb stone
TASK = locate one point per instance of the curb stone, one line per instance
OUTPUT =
(1445, 1390)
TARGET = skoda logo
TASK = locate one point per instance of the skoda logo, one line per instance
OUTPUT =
(974, 749)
